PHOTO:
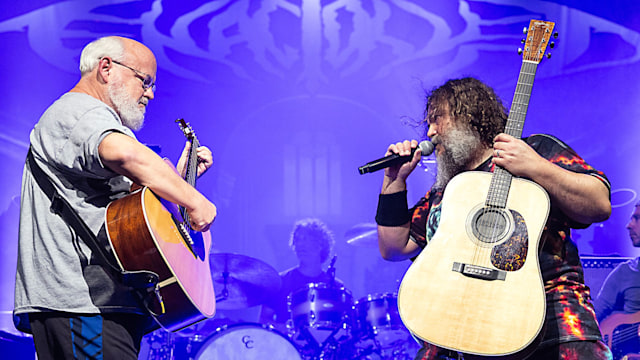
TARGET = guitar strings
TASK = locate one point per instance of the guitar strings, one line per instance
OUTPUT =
(628, 333)
(514, 127)
(190, 175)
(501, 182)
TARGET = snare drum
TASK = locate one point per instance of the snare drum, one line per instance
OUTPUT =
(377, 317)
(247, 341)
(320, 306)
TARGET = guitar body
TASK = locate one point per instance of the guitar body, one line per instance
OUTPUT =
(620, 332)
(145, 235)
(473, 292)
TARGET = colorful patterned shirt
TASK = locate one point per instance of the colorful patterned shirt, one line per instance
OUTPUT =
(570, 315)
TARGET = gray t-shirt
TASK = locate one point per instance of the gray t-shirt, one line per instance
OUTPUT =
(620, 291)
(56, 270)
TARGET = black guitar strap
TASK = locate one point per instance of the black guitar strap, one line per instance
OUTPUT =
(147, 281)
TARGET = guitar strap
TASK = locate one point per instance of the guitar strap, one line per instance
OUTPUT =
(146, 281)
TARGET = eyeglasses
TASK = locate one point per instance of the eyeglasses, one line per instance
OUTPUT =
(147, 80)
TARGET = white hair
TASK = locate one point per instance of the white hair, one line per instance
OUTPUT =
(109, 46)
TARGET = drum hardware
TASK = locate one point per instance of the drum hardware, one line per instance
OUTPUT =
(331, 347)
(158, 345)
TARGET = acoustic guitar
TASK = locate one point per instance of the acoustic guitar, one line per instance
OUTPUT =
(149, 233)
(477, 287)
(621, 333)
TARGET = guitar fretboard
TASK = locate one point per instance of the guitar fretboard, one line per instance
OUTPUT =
(501, 180)
(191, 173)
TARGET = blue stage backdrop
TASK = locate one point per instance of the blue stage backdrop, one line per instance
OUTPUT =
(293, 95)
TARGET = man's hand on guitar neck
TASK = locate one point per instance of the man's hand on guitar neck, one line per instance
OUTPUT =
(205, 159)
(584, 198)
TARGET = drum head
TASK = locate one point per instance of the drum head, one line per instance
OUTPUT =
(248, 342)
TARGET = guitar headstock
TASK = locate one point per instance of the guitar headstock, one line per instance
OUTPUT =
(538, 36)
(186, 129)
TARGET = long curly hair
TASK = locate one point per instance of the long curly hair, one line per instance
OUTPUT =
(470, 102)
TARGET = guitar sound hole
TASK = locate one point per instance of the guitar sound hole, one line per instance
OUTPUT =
(489, 225)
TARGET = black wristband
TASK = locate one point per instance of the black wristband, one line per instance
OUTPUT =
(393, 209)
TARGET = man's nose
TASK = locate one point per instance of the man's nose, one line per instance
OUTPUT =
(431, 131)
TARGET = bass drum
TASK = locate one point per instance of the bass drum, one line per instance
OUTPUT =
(248, 341)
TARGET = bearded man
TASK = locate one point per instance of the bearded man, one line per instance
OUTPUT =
(465, 121)
(65, 295)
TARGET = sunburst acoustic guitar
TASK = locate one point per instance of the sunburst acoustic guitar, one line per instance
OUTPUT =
(149, 233)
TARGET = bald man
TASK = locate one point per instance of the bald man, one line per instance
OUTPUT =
(84, 142)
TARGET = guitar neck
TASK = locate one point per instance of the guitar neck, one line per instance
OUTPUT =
(191, 167)
(191, 174)
(501, 181)
(520, 103)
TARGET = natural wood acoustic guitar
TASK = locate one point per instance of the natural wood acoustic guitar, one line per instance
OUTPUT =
(149, 233)
(477, 287)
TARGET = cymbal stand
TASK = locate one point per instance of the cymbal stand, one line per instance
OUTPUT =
(225, 292)
(312, 347)
(329, 347)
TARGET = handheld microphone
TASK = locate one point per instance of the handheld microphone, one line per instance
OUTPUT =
(426, 147)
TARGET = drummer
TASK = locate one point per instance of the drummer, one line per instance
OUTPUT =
(312, 242)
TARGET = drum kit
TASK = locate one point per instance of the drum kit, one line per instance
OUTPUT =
(325, 323)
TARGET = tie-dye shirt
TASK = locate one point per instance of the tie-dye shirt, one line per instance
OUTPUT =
(570, 314)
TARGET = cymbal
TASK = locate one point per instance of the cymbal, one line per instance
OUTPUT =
(363, 235)
(241, 281)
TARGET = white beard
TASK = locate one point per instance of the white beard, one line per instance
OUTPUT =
(131, 114)
(460, 147)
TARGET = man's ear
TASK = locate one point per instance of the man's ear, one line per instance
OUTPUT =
(104, 69)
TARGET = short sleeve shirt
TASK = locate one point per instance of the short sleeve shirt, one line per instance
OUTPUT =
(56, 270)
(620, 291)
(570, 315)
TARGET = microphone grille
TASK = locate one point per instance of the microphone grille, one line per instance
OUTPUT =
(426, 147)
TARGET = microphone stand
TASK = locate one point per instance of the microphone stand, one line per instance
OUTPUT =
(331, 271)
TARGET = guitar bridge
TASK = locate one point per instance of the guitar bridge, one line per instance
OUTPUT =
(184, 233)
(479, 272)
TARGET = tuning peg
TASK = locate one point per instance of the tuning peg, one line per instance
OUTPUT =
(524, 30)
(519, 51)
(548, 55)
(523, 41)
(552, 44)
(555, 35)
